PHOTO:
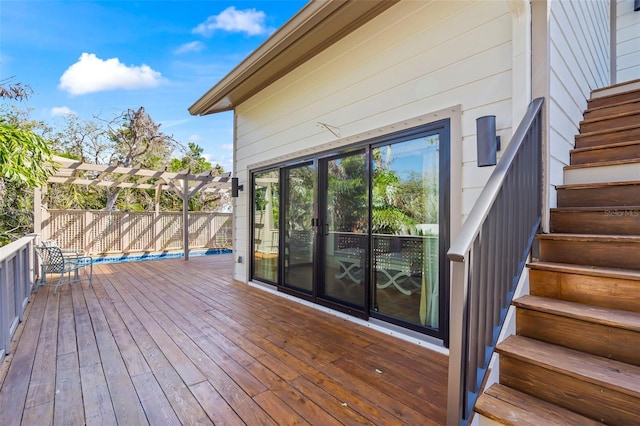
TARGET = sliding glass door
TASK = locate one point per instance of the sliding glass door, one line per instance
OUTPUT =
(364, 231)
(344, 234)
(406, 206)
(266, 200)
(299, 227)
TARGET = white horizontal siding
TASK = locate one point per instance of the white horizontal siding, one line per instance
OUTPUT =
(415, 58)
(627, 41)
(579, 62)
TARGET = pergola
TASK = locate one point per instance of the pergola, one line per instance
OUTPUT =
(184, 183)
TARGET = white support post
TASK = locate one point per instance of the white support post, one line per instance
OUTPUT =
(457, 347)
(156, 219)
(5, 338)
(37, 209)
(185, 217)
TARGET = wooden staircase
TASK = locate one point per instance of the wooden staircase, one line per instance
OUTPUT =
(575, 358)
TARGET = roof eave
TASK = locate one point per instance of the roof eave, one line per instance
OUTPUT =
(316, 27)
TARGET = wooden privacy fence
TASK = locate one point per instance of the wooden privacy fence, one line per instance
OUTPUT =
(101, 232)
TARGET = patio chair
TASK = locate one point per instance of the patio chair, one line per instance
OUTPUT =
(53, 261)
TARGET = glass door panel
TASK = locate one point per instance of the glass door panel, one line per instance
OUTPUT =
(405, 231)
(298, 225)
(265, 225)
(344, 230)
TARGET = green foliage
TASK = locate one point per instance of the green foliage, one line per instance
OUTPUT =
(347, 195)
(391, 220)
(25, 162)
(192, 160)
(16, 211)
(24, 156)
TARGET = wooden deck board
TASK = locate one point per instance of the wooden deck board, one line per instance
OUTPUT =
(42, 384)
(174, 342)
(67, 411)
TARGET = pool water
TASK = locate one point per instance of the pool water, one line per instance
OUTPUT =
(138, 257)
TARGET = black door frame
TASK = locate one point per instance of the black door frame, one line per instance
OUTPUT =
(443, 128)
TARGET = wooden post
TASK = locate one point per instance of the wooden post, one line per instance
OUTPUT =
(156, 219)
(185, 217)
(37, 209)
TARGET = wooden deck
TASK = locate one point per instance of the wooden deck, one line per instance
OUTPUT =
(175, 342)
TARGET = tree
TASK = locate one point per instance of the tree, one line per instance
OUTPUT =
(86, 140)
(137, 141)
(14, 91)
(196, 164)
(25, 162)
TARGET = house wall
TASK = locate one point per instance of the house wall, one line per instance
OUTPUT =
(579, 62)
(414, 59)
(627, 41)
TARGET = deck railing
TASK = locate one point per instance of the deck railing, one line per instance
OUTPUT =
(100, 232)
(17, 276)
(488, 257)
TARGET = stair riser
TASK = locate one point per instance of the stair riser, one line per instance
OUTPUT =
(626, 152)
(606, 292)
(602, 173)
(612, 100)
(606, 405)
(592, 253)
(609, 123)
(588, 141)
(614, 221)
(619, 195)
(597, 339)
(612, 110)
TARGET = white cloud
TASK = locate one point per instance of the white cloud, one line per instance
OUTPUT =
(172, 123)
(62, 110)
(92, 74)
(194, 138)
(250, 21)
(228, 146)
(194, 46)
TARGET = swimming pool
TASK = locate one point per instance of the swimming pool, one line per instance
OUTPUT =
(138, 257)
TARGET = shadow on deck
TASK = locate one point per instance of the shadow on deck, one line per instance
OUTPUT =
(175, 342)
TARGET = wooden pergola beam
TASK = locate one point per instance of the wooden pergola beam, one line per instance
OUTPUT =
(184, 183)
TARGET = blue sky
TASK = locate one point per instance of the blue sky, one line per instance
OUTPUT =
(103, 57)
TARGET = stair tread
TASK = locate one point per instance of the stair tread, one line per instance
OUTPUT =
(603, 164)
(599, 271)
(597, 184)
(617, 104)
(611, 86)
(607, 373)
(594, 208)
(595, 314)
(590, 237)
(609, 117)
(513, 407)
(609, 130)
(608, 146)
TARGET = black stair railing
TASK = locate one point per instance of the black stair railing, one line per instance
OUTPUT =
(488, 257)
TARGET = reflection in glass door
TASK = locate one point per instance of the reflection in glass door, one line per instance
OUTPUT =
(405, 231)
(298, 224)
(344, 201)
(265, 225)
